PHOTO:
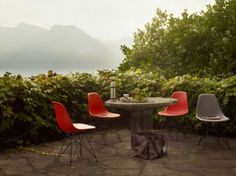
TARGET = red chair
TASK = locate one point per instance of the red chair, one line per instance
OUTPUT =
(98, 110)
(66, 125)
(178, 109)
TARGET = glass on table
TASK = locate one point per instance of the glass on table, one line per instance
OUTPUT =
(126, 95)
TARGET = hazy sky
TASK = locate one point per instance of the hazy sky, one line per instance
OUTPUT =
(103, 19)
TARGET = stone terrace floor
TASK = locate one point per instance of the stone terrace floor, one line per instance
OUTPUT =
(185, 158)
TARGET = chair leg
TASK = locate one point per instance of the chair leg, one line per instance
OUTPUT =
(177, 135)
(170, 125)
(200, 140)
(116, 132)
(91, 151)
(71, 149)
(62, 151)
(185, 135)
(227, 143)
(64, 148)
(205, 139)
(78, 145)
(167, 124)
(77, 142)
(184, 130)
(89, 142)
(104, 134)
(221, 139)
(204, 136)
(180, 128)
(169, 131)
(104, 137)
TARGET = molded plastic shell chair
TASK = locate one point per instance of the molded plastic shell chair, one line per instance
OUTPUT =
(66, 125)
(178, 109)
(98, 110)
(208, 110)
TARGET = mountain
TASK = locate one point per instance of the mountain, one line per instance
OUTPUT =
(28, 48)
(114, 47)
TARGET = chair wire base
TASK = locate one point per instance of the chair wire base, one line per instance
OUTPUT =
(170, 122)
(219, 138)
(79, 144)
(104, 136)
(104, 126)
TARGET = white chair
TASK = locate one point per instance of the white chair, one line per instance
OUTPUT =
(209, 111)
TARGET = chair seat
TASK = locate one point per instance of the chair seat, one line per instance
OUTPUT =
(172, 113)
(213, 119)
(106, 115)
(82, 126)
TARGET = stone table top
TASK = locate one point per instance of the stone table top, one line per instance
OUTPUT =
(151, 103)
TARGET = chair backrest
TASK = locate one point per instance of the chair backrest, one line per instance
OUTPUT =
(62, 117)
(182, 104)
(95, 104)
(208, 105)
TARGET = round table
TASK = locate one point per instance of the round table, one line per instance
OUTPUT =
(141, 112)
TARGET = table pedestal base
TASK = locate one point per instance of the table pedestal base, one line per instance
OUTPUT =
(141, 121)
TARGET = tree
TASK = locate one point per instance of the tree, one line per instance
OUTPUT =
(199, 44)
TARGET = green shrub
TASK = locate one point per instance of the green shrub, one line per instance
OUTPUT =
(225, 91)
(27, 116)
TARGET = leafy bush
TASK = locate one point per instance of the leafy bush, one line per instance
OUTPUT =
(22, 110)
(225, 91)
(26, 114)
(126, 82)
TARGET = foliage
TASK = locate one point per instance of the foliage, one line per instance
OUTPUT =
(26, 114)
(201, 44)
(195, 53)
(127, 82)
(224, 89)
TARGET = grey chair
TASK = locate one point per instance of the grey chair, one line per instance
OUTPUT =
(209, 111)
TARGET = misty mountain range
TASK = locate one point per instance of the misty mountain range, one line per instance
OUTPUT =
(27, 48)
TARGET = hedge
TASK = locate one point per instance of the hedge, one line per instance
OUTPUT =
(224, 89)
(27, 116)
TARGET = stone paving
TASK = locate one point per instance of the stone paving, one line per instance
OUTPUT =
(185, 158)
